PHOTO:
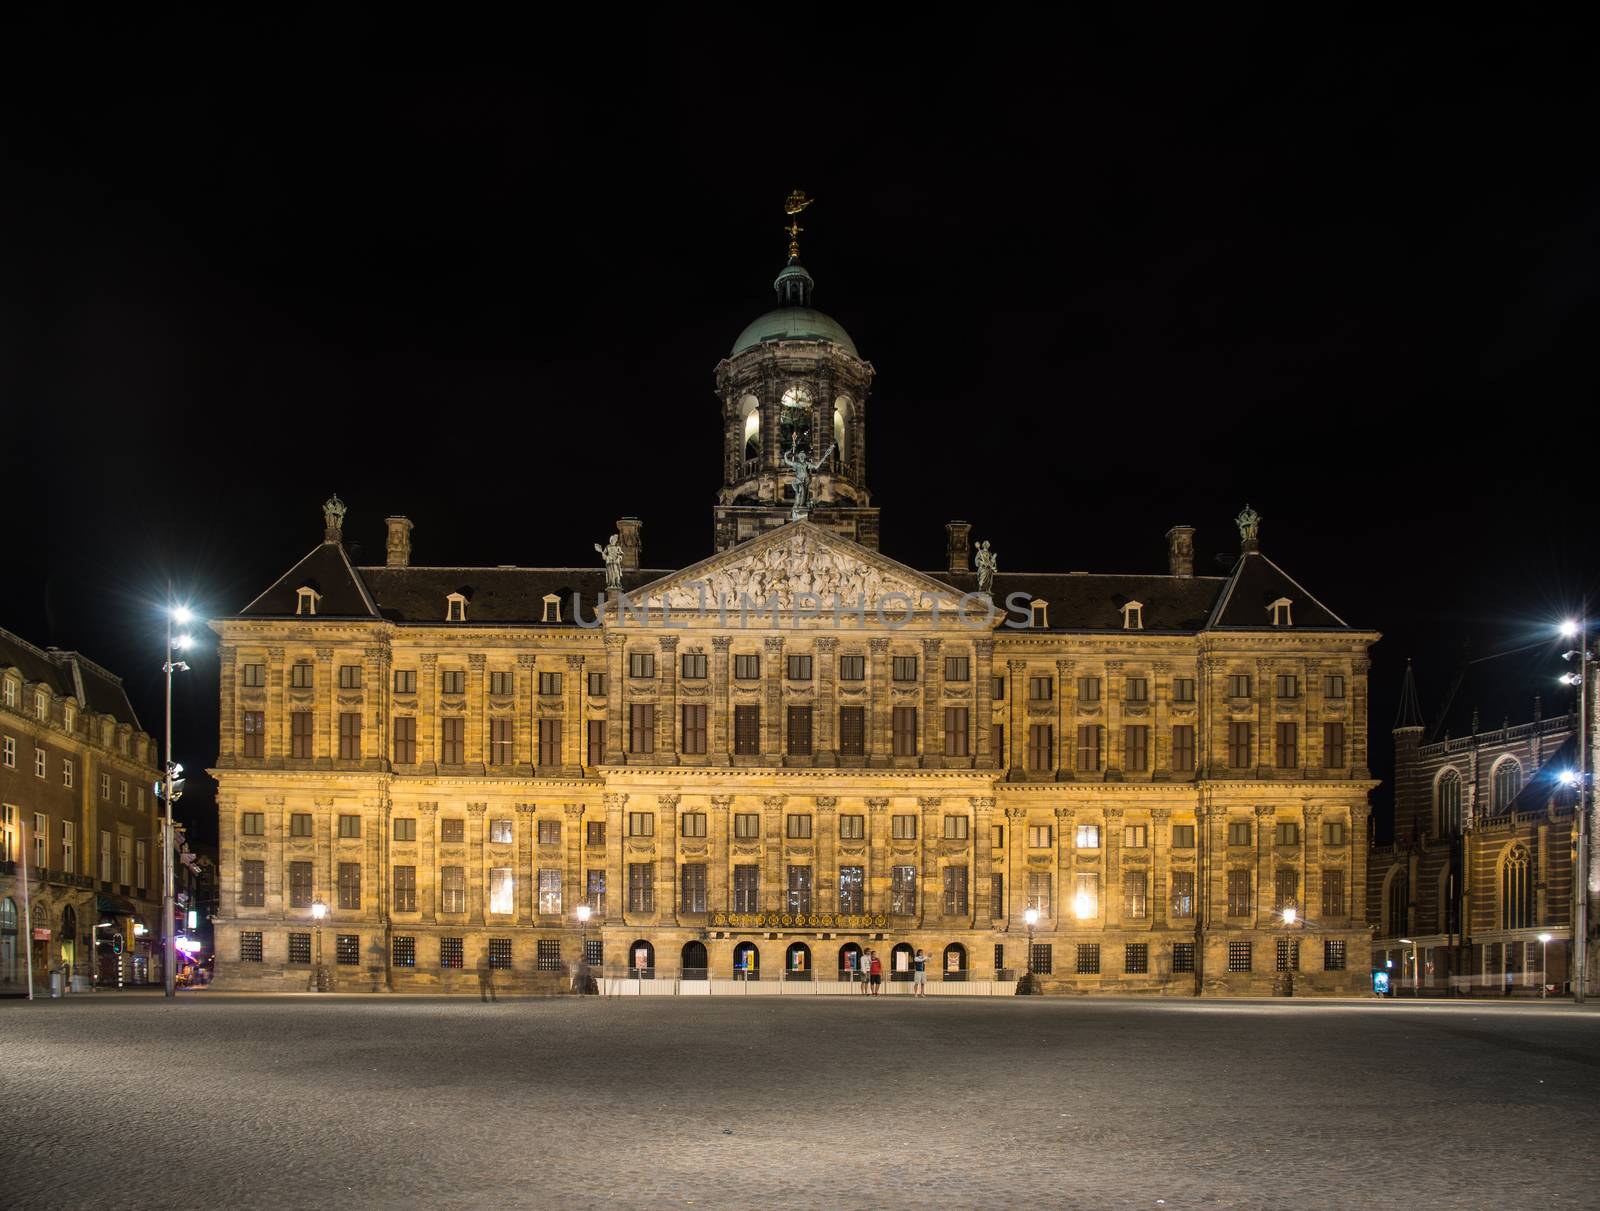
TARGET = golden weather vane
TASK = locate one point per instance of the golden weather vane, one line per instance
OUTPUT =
(792, 206)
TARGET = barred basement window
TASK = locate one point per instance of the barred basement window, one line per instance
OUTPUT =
(451, 953)
(550, 684)
(299, 824)
(1182, 956)
(1288, 954)
(500, 682)
(852, 828)
(500, 954)
(694, 666)
(347, 949)
(594, 952)
(1332, 955)
(404, 952)
(452, 831)
(1088, 958)
(852, 668)
(549, 955)
(1041, 959)
(1238, 956)
(999, 958)
(250, 946)
(1136, 958)
(300, 948)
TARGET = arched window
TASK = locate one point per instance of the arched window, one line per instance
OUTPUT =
(900, 962)
(642, 960)
(842, 417)
(955, 962)
(750, 408)
(797, 962)
(1396, 917)
(1516, 889)
(694, 961)
(8, 915)
(746, 961)
(1507, 783)
(849, 961)
(1447, 804)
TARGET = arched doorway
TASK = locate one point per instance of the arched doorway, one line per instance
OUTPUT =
(849, 961)
(797, 962)
(641, 961)
(694, 961)
(69, 939)
(746, 961)
(955, 962)
(10, 968)
(900, 962)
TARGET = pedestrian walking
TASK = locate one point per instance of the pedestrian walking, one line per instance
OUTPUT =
(919, 973)
(864, 962)
(877, 973)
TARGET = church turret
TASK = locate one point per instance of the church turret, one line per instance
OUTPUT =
(794, 387)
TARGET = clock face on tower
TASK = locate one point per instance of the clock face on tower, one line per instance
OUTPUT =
(795, 419)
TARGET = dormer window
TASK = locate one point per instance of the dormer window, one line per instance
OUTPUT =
(306, 599)
(1040, 612)
(10, 692)
(1133, 616)
(41, 706)
(1281, 613)
(552, 608)
(68, 718)
(455, 608)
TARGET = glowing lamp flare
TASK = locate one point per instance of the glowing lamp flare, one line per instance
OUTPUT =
(1082, 905)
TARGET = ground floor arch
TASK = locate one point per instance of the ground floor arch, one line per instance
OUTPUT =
(695, 963)
(849, 960)
(747, 961)
(797, 962)
(642, 960)
(954, 965)
(900, 965)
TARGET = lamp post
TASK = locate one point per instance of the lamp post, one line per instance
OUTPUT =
(1544, 970)
(1289, 918)
(1583, 876)
(171, 788)
(1031, 916)
(1416, 966)
(580, 972)
(319, 909)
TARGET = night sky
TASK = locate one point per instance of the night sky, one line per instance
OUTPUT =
(1111, 280)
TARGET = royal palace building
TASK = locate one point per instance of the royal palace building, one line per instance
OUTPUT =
(792, 750)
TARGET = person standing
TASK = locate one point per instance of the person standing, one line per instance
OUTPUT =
(919, 973)
(864, 962)
(877, 973)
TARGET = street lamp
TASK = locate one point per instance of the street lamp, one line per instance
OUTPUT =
(170, 788)
(1416, 966)
(1031, 916)
(1290, 916)
(580, 971)
(1544, 953)
(1579, 629)
(319, 910)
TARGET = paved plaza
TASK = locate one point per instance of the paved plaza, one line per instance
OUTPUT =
(794, 1102)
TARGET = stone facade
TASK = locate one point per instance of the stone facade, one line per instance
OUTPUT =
(77, 814)
(792, 750)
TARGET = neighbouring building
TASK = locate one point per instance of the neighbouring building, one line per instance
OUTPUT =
(1484, 836)
(80, 880)
(450, 760)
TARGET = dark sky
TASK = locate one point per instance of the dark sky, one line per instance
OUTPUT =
(1112, 279)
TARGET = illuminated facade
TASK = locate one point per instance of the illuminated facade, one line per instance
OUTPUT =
(452, 759)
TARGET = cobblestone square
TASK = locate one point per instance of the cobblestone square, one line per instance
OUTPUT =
(793, 1102)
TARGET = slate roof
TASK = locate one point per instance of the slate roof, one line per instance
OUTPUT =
(69, 674)
(494, 595)
(1089, 602)
(1253, 585)
(328, 570)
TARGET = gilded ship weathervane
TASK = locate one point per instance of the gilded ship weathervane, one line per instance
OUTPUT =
(792, 206)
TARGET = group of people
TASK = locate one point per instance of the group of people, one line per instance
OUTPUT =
(869, 967)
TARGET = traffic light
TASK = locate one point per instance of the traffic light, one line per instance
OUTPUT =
(175, 776)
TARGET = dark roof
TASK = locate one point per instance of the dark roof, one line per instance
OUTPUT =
(1089, 602)
(69, 674)
(328, 570)
(1410, 712)
(1253, 585)
(499, 595)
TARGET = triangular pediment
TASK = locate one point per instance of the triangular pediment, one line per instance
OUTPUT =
(797, 567)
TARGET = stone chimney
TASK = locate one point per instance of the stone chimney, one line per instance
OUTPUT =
(630, 535)
(958, 545)
(399, 547)
(1180, 551)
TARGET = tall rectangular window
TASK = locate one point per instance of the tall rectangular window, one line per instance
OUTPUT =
(1288, 745)
(405, 740)
(852, 668)
(594, 891)
(693, 740)
(452, 681)
(800, 668)
(957, 668)
(253, 676)
(105, 856)
(799, 730)
(140, 862)
(1041, 746)
(1238, 745)
(549, 742)
(452, 740)
(1088, 689)
(349, 736)
(1041, 689)
(349, 885)
(253, 884)
(1135, 895)
(692, 824)
(1039, 892)
(597, 685)
(746, 826)
(1136, 747)
(905, 730)
(549, 892)
(1182, 893)
(1183, 748)
(502, 683)
(300, 675)
(692, 887)
(851, 883)
(905, 668)
(641, 887)
(299, 885)
(1238, 893)
(903, 827)
(1333, 746)
(125, 860)
(453, 888)
(405, 681)
(1287, 885)
(693, 666)
(349, 676)
(300, 734)
(255, 728)
(405, 889)
(502, 890)
(597, 742)
(1138, 689)
(502, 742)
(957, 741)
(1183, 836)
(852, 827)
(642, 727)
(903, 891)
(1089, 747)
(747, 730)
(1183, 689)
(955, 891)
(1288, 685)
(550, 684)
(1333, 893)
(1239, 685)
(747, 888)
(641, 664)
(1086, 895)
(641, 824)
(1333, 686)
(852, 731)
(798, 899)
(747, 667)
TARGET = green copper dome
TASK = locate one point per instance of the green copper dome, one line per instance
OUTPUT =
(794, 324)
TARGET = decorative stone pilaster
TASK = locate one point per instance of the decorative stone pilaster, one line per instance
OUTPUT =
(667, 704)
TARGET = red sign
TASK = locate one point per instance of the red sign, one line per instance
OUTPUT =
(40, 934)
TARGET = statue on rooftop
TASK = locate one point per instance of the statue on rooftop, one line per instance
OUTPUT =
(612, 554)
(988, 563)
(798, 461)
